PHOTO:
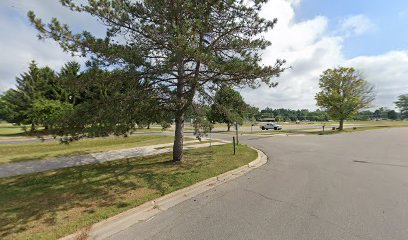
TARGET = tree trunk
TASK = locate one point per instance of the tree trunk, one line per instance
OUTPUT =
(228, 127)
(148, 126)
(341, 124)
(178, 137)
(33, 127)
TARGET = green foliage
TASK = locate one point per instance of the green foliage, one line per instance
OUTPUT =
(168, 51)
(50, 113)
(228, 107)
(392, 114)
(402, 105)
(343, 93)
(292, 115)
(37, 83)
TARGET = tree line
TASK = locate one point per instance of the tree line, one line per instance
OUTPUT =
(71, 101)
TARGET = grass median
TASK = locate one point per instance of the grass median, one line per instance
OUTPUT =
(53, 204)
(52, 149)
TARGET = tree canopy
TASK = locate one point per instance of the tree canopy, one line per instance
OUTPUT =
(35, 84)
(343, 92)
(229, 107)
(173, 48)
(402, 105)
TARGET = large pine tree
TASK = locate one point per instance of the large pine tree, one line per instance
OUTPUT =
(176, 48)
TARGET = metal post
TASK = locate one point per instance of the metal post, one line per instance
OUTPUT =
(236, 131)
(210, 136)
(233, 143)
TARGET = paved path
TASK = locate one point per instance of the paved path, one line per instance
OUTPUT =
(347, 186)
(19, 168)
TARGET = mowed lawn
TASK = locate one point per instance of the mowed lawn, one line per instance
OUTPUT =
(53, 204)
(9, 130)
(52, 149)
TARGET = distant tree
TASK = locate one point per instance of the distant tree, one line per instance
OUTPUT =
(252, 113)
(343, 93)
(4, 108)
(364, 115)
(392, 114)
(402, 105)
(175, 49)
(37, 83)
(50, 113)
(229, 107)
(381, 113)
(70, 78)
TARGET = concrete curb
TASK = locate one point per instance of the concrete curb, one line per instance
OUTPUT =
(148, 210)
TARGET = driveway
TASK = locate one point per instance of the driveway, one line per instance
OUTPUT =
(347, 186)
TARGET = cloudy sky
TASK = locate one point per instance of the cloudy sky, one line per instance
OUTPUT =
(312, 35)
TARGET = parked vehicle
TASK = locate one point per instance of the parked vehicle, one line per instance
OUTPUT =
(271, 126)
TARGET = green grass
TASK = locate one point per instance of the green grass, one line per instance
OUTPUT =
(193, 143)
(52, 149)
(10, 130)
(56, 203)
(348, 127)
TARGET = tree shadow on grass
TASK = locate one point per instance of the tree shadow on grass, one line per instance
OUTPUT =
(37, 201)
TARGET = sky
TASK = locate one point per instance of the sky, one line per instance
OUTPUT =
(311, 35)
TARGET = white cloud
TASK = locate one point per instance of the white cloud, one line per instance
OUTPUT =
(309, 48)
(388, 72)
(357, 25)
(19, 44)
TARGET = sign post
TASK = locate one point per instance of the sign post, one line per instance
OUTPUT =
(233, 143)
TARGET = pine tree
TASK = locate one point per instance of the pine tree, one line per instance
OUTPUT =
(175, 48)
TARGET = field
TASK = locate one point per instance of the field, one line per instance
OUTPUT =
(52, 149)
(53, 204)
(8, 130)
(316, 127)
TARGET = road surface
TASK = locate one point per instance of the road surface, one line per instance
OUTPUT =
(346, 186)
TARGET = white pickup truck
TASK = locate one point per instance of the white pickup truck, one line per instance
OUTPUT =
(271, 126)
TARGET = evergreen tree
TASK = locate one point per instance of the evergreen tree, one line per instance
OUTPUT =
(175, 49)
(37, 83)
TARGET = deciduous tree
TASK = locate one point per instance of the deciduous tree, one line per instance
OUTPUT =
(229, 107)
(343, 92)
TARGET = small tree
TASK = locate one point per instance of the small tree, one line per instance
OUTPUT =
(50, 113)
(343, 93)
(229, 107)
(402, 105)
(392, 114)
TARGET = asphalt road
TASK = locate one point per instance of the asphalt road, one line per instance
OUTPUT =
(347, 186)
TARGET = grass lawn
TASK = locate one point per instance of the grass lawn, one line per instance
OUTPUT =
(10, 130)
(317, 130)
(53, 204)
(44, 150)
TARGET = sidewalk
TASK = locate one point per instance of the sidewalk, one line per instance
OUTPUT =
(34, 166)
